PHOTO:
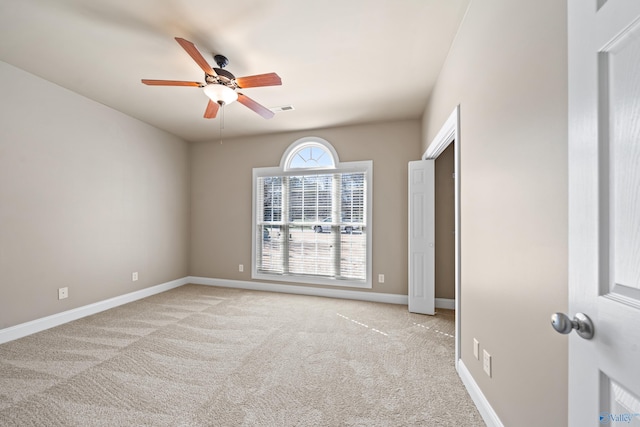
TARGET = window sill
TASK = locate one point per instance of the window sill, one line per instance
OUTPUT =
(311, 280)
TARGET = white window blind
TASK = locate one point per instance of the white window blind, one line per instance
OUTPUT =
(312, 225)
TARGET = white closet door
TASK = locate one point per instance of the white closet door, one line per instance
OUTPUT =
(422, 236)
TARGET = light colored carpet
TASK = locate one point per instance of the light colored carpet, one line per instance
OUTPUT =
(206, 356)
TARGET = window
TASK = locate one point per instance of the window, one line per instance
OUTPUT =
(311, 218)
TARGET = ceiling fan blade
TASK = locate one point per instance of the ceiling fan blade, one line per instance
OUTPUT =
(196, 55)
(171, 83)
(212, 110)
(269, 79)
(253, 105)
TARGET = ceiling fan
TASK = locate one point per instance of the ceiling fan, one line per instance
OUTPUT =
(220, 85)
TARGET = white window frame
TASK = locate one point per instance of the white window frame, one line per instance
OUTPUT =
(283, 169)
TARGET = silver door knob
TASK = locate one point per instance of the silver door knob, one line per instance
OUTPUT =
(581, 323)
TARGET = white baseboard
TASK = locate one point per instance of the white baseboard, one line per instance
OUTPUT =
(486, 411)
(28, 328)
(447, 303)
(301, 290)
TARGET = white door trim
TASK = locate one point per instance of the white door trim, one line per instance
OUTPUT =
(450, 132)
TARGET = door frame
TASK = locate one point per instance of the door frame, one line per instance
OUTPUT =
(448, 133)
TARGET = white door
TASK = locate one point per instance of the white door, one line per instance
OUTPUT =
(604, 210)
(422, 258)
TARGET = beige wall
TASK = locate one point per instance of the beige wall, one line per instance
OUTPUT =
(445, 273)
(221, 196)
(87, 196)
(507, 70)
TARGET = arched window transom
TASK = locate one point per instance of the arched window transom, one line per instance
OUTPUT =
(309, 153)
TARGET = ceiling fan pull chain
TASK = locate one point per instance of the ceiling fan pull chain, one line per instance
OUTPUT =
(221, 122)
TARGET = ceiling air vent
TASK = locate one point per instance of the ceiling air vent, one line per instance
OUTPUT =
(282, 108)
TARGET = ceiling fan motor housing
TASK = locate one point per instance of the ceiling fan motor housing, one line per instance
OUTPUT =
(223, 77)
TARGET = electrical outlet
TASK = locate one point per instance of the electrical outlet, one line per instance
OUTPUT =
(486, 362)
(63, 293)
(380, 278)
(134, 276)
(476, 349)
(240, 268)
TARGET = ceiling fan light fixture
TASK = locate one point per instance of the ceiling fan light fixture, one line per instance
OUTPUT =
(221, 94)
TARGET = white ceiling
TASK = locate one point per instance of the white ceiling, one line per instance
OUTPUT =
(341, 61)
